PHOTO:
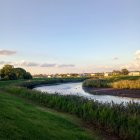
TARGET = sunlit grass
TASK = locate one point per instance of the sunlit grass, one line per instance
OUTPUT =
(124, 82)
(20, 120)
(121, 120)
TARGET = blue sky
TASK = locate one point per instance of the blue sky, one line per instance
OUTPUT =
(62, 36)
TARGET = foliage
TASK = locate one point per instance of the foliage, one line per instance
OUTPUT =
(8, 72)
(118, 72)
(123, 82)
(126, 84)
(124, 71)
(20, 120)
(44, 81)
(121, 120)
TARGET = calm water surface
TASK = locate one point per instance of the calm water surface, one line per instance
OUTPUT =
(76, 89)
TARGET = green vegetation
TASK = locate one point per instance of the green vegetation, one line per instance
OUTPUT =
(123, 121)
(124, 71)
(126, 84)
(123, 82)
(48, 81)
(21, 120)
(8, 72)
(120, 120)
(39, 81)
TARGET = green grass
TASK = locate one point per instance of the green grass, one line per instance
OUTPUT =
(19, 119)
(120, 82)
(123, 121)
(39, 81)
(22, 120)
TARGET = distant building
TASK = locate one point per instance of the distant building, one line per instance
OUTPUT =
(134, 73)
(107, 74)
(49, 76)
(92, 74)
(68, 75)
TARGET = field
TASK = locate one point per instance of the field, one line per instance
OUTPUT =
(20, 119)
(121, 121)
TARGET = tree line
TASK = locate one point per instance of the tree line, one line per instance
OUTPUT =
(8, 72)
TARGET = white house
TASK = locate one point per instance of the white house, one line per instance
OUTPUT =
(134, 73)
(92, 74)
(106, 74)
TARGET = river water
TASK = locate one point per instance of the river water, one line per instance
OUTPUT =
(76, 89)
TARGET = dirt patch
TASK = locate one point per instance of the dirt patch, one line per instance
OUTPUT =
(133, 93)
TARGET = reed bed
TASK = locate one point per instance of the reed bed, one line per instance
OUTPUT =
(114, 82)
(126, 84)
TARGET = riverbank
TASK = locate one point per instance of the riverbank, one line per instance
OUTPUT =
(118, 120)
(21, 119)
(110, 118)
(132, 93)
(124, 86)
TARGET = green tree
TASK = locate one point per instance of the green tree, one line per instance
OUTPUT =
(27, 76)
(7, 72)
(20, 73)
(116, 72)
(124, 71)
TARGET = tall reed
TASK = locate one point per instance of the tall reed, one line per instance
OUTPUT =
(114, 82)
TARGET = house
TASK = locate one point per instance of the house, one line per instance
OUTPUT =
(49, 76)
(134, 73)
(92, 74)
(106, 74)
(68, 75)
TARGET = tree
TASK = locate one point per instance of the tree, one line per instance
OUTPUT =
(116, 72)
(7, 72)
(124, 71)
(20, 73)
(28, 76)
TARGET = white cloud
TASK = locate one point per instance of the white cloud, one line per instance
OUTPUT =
(26, 63)
(137, 55)
(2, 62)
(36, 64)
(47, 65)
(7, 52)
(115, 58)
(66, 65)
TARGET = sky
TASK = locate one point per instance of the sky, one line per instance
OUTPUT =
(70, 36)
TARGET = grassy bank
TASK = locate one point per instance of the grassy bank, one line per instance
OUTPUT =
(36, 82)
(39, 81)
(123, 121)
(20, 120)
(122, 82)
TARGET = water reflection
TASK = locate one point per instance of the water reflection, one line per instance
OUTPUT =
(76, 89)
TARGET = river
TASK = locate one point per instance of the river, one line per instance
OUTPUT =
(76, 89)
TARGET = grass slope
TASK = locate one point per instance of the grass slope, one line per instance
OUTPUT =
(22, 120)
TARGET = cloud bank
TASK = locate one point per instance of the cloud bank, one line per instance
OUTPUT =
(66, 65)
(36, 64)
(134, 64)
(7, 52)
(115, 58)
(137, 55)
